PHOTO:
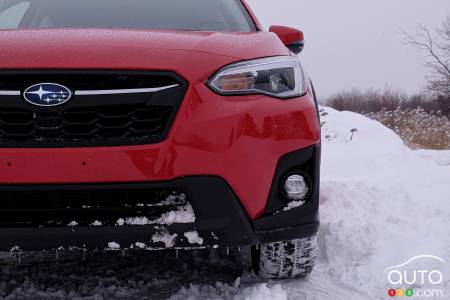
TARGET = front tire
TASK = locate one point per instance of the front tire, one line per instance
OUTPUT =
(285, 260)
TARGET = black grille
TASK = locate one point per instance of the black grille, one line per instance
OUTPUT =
(86, 205)
(94, 120)
(94, 124)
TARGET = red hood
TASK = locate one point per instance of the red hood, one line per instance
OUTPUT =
(131, 49)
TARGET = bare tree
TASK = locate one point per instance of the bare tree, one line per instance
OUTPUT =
(437, 47)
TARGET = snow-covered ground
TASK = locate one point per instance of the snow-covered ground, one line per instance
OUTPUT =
(441, 157)
(381, 204)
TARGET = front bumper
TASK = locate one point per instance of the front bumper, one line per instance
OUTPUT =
(221, 219)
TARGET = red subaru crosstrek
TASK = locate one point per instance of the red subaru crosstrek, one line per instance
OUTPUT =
(156, 124)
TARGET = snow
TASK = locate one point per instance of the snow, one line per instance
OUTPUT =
(293, 204)
(224, 291)
(120, 222)
(113, 246)
(193, 238)
(137, 221)
(440, 157)
(381, 204)
(166, 238)
(174, 200)
(140, 245)
(96, 223)
(182, 215)
(72, 224)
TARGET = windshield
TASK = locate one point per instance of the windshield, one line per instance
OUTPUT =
(201, 15)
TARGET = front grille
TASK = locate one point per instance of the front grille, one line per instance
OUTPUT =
(98, 124)
(87, 206)
(93, 120)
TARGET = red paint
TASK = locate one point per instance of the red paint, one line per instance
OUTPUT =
(288, 35)
(239, 138)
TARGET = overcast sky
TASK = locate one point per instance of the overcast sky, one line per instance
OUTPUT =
(357, 43)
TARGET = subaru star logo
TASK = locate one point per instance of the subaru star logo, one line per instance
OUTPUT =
(47, 94)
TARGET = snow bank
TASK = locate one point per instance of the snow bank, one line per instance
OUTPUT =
(381, 204)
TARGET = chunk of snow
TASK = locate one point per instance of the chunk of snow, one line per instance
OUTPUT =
(174, 200)
(177, 199)
(137, 221)
(120, 222)
(140, 245)
(113, 246)
(72, 224)
(183, 214)
(97, 223)
(166, 238)
(193, 238)
(293, 204)
(15, 248)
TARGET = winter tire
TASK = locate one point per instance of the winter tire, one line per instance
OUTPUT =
(285, 260)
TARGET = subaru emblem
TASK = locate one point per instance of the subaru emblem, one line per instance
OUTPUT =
(47, 94)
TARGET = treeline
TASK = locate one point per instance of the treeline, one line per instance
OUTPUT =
(422, 121)
(373, 101)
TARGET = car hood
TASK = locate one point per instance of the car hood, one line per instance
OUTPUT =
(133, 49)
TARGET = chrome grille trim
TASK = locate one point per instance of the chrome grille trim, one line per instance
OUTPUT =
(105, 92)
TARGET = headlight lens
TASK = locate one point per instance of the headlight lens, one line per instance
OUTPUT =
(280, 77)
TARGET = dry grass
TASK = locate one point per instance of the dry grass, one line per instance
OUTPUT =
(417, 128)
(422, 121)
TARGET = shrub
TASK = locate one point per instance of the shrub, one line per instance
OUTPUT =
(422, 121)
(417, 128)
(387, 100)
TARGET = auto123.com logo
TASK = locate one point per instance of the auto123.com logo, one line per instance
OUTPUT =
(419, 277)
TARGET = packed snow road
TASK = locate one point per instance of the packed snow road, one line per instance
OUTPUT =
(381, 204)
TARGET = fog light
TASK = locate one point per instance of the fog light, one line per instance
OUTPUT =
(296, 187)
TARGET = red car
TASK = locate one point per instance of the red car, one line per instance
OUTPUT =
(156, 124)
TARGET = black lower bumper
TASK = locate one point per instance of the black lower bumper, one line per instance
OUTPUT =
(220, 218)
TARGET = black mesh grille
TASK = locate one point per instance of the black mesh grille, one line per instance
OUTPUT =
(85, 205)
(94, 124)
(94, 120)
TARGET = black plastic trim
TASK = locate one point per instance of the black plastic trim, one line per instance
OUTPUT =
(220, 219)
(297, 222)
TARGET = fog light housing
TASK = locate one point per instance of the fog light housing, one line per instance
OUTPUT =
(297, 187)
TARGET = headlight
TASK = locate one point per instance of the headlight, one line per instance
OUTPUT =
(280, 77)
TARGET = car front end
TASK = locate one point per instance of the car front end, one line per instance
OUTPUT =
(154, 139)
